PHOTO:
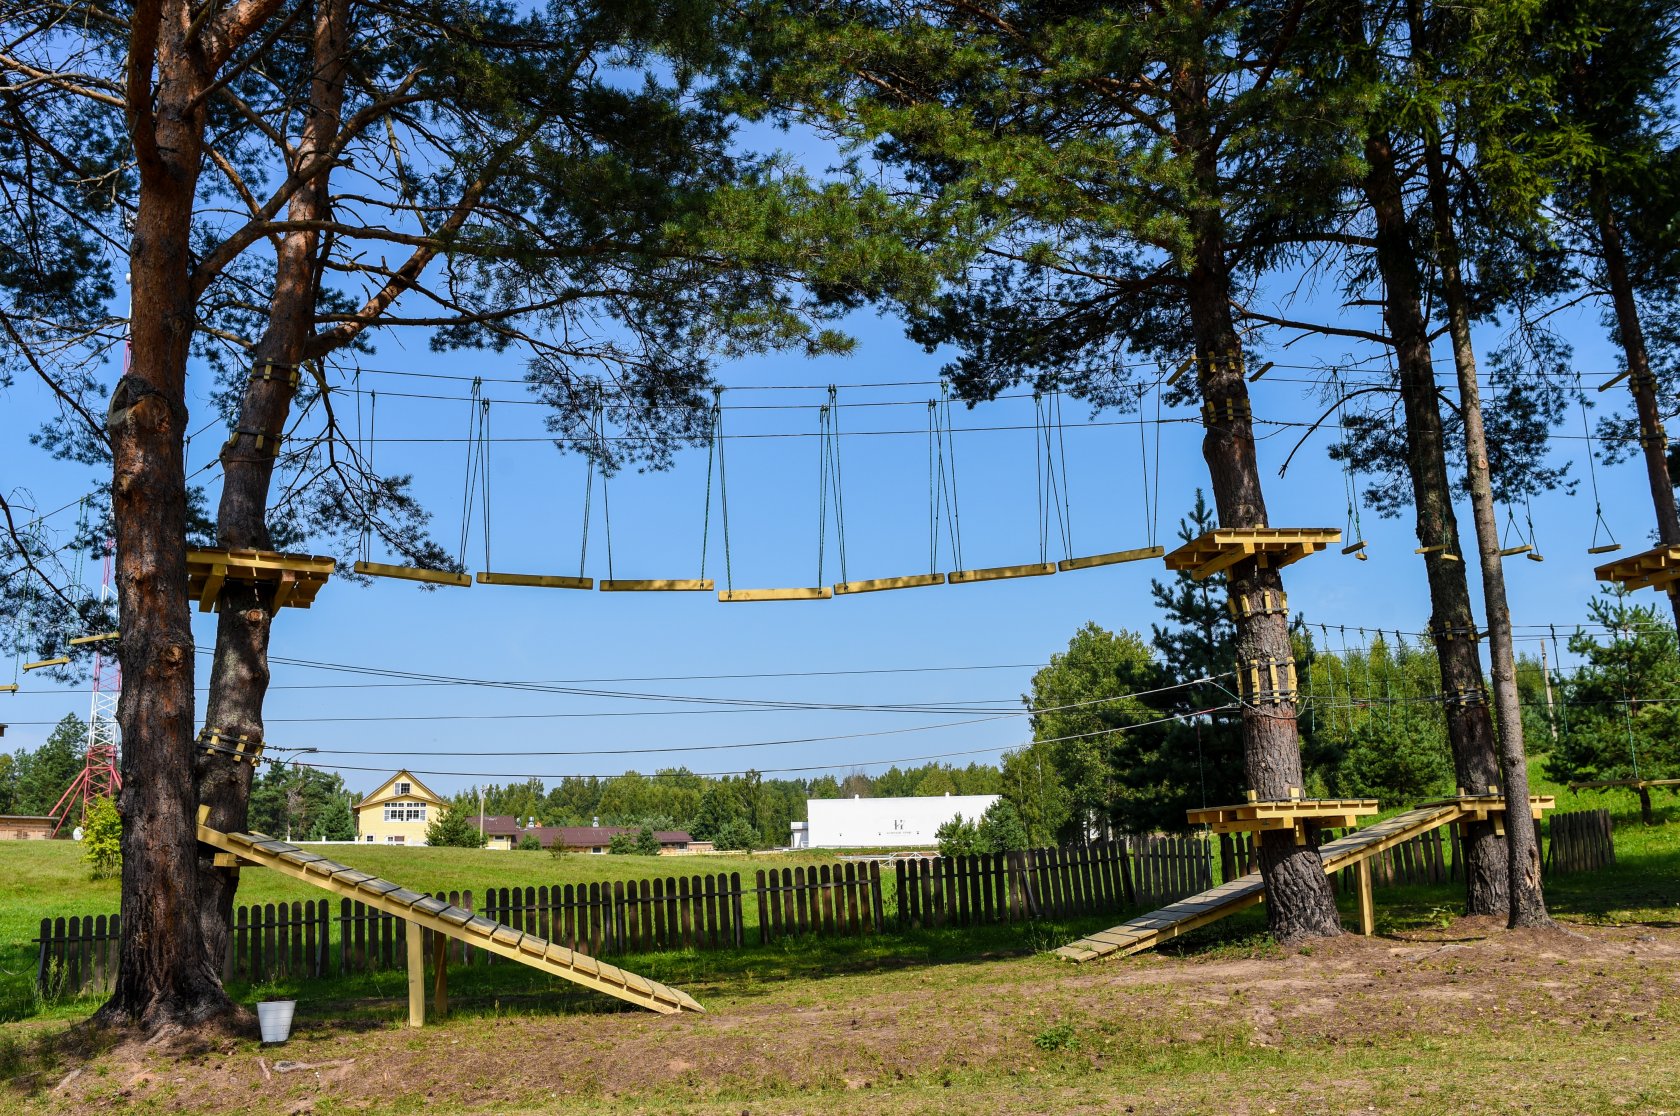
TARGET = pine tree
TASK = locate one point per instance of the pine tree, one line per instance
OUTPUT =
(455, 829)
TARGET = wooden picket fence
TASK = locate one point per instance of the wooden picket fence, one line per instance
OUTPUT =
(832, 900)
(625, 916)
(1101, 877)
(78, 954)
(1581, 841)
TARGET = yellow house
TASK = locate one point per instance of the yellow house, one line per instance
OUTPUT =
(398, 812)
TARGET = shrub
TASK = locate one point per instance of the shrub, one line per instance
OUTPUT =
(529, 843)
(454, 829)
(102, 839)
(736, 835)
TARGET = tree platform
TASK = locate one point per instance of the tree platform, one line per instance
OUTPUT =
(1217, 550)
(288, 580)
(1652, 569)
(1289, 813)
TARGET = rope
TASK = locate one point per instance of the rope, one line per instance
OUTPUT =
(828, 478)
(1592, 469)
(706, 517)
(371, 505)
(951, 446)
(1143, 458)
(600, 427)
(839, 496)
(1040, 484)
(723, 499)
(1349, 481)
(484, 458)
(473, 446)
(1067, 481)
(588, 503)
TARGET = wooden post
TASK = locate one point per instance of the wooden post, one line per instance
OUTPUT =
(416, 976)
(1367, 911)
(440, 977)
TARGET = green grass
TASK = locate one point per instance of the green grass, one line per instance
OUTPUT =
(48, 879)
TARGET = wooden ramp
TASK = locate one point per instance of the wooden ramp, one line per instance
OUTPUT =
(1150, 930)
(423, 911)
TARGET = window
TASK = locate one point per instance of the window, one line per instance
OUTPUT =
(405, 811)
(369, 838)
(405, 788)
(394, 840)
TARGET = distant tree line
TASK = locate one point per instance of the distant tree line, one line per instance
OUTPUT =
(734, 811)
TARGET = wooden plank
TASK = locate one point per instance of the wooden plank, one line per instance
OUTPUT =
(879, 584)
(1113, 557)
(659, 585)
(795, 593)
(483, 932)
(413, 573)
(536, 581)
(1000, 573)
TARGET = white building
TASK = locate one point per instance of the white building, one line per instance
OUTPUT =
(874, 823)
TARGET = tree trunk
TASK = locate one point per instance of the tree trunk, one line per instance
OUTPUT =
(1653, 439)
(1299, 901)
(165, 978)
(239, 676)
(1527, 902)
(1452, 624)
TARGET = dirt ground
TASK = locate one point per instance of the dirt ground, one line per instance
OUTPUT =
(1467, 1018)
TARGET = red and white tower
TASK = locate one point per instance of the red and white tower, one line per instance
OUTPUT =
(99, 776)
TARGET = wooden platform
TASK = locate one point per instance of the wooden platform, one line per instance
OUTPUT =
(288, 580)
(1354, 850)
(1635, 784)
(422, 911)
(1491, 807)
(1651, 569)
(1223, 547)
(1289, 813)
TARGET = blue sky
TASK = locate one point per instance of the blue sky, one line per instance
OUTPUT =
(657, 644)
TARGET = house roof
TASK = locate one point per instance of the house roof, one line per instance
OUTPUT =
(387, 792)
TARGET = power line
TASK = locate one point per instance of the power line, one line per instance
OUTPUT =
(776, 770)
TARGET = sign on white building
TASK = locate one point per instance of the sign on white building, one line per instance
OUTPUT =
(873, 823)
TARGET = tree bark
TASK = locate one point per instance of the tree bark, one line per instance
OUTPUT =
(165, 978)
(1452, 623)
(1526, 899)
(240, 674)
(1653, 439)
(1299, 901)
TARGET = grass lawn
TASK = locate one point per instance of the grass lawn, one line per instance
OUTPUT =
(1436, 1014)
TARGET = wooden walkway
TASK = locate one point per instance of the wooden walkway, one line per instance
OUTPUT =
(425, 912)
(1150, 930)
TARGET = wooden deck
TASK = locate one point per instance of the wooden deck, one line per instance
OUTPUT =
(420, 910)
(1222, 548)
(1150, 930)
(1651, 569)
(286, 580)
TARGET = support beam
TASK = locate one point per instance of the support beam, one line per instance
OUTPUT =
(416, 975)
(1367, 907)
(440, 976)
